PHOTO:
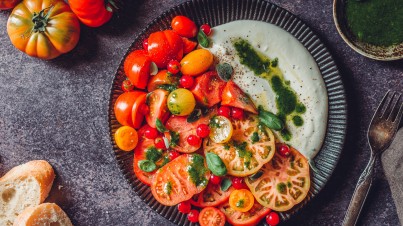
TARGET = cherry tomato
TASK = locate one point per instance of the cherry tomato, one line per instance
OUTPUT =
(137, 68)
(211, 216)
(284, 150)
(160, 143)
(184, 207)
(206, 29)
(224, 111)
(127, 85)
(193, 216)
(157, 103)
(151, 133)
(164, 46)
(186, 81)
(188, 45)
(272, 219)
(250, 218)
(184, 26)
(237, 183)
(137, 110)
(181, 102)
(215, 179)
(237, 113)
(126, 138)
(203, 130)
(174, 66)
(193, 140)
(233, 96)
(145, 44)
(173, 155)
(124, 105)
(196, 62)
(241, 200)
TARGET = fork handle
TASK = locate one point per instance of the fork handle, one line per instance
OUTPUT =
(360, 193)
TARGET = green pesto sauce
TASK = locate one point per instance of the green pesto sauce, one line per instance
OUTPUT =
(287, 103)
(378, 22)
(240, 203)
(153, 154)
(255, 137)
(168, 188)
(243, 153)
(197, 171)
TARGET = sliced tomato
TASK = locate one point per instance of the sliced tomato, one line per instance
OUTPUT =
(164, 46)
(157, 103)
(211, 196)
(161, 78)
(243, 155)
(250, 218)
(208, 89)
(233, 96)
(285, 181)
(211, 216)
(139, 154)
(188, 45)
(137, 68)
(123, 107)
(180, 179)
(137, 112)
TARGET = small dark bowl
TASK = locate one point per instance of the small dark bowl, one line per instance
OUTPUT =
(394, 52)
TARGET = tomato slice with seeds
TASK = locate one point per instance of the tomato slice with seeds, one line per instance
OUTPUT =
(157, 102)
(139, 154)
(211, 216)
(180, 179)
(285, 182)
(211, 196)
(233, 96)
(208, 89)
(248, 150)
(249, 218)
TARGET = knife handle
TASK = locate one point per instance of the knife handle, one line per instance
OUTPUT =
(360, 194)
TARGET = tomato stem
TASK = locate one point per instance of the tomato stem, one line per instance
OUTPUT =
(40, 19)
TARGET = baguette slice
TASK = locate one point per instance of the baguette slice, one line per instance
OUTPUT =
(26, 185)
(46, 214)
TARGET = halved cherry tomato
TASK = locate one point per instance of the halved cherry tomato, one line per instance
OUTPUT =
(163, 77)
(250, 218)
(233, 96)
(124, 105)
(137, 68)
(196, 62)
(184, 26)
(208, 89)
(188, 45)
(211, 196)
(137, 113)
(157, 102)
(241, 200)
(164, 46)
(175, 182)
(126, 138)
(140, 154)
(211, 216)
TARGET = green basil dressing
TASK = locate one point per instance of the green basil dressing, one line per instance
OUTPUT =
(197, 170)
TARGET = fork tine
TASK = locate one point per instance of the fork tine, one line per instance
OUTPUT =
(399, 116)
(388, 108)
(378, 112)
(395, 107)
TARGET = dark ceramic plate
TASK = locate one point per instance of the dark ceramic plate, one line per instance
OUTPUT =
(216, 12)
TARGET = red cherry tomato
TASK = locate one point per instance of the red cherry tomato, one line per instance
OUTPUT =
(160, 143)
(203, 130)
(174, 67)
(151, 133)
(188, 45)
(127, 85)
(215, 179)
(164, 46)
(137, 68)
(186, 81)
(145, 44)
(284, 150)
(193, 140)
(124, 105)
(193, 216)
(206, 29)
(237, 113)
(224, 111)
(184, 26)
(237, 183)
(184, 207)
(272, 219)
(173, 155)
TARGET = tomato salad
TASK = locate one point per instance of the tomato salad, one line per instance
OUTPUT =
(199, 141)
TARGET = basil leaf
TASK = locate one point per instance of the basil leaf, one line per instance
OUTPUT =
(202, 39)
(270, 120)
(225, 184)
(215, 164)
(146, 165)
(168, 87)
(224, 71)
(160, 126)
(194, 116)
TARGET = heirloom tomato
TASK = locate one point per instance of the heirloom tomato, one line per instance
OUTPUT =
(211, 216)
(208, 89)
(233, 96)
(137, 68)
(157, 103)
(123, 107)
(164, 46)
(92, 13)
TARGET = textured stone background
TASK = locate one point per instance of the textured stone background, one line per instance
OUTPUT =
(57, 110)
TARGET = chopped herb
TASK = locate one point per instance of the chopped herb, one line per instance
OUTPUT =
(160, 126)
(147, 165)
(214, 123)
(289, 185)
(197, 171)
(168, 87)
(215, 164)
(274, 62)
(174, 138)
(164, 161)
(243, 153)
(225, 184)
(153, 154)
(255, 137)
(202, 39)
(240, 203)
(226, 146)
(168, 188)
(195, 115)
(224, 71)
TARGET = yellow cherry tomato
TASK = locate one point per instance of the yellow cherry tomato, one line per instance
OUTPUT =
(181, 102)
(241, 200)
(196, 62)
(220, 129)
(126, 138)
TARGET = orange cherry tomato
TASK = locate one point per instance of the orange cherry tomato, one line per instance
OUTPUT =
(164, 46)
(8, 4)
(137, 68)
(241, 200)
(124, 105)
(250, 218)
(196, 62)
(211, 216)
(137, 110)
(126, 138)
(233, 96)
(157, 103)
(161, 78)
(184, 26)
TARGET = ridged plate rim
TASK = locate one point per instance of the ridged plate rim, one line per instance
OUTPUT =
(216, 12)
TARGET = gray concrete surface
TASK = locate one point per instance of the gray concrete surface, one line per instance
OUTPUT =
(57, 110)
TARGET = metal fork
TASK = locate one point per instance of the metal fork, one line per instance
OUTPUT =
(381, 132)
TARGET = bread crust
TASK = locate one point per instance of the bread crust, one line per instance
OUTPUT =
(45, 213)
